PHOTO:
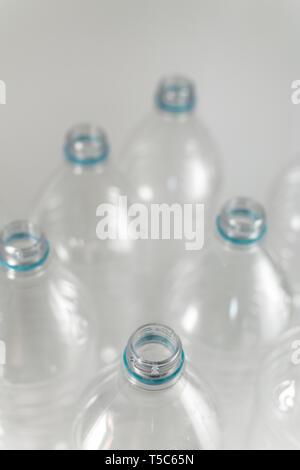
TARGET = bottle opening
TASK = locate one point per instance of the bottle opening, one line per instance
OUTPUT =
(176, 95)
(23, 247)
(154, 355)
(86, 145)
(242, 221)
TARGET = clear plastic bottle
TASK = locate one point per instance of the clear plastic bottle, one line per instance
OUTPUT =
(276, 424)
(170, 159)
(46, 342)
(284, 208)
(227, 303)
(153, 400)
(68, 213)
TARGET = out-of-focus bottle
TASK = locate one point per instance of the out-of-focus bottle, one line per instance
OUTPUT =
(171, 159)
(284, 220)
(276, 423)
(46, 342)
(81, 212)
(228, 303)
(153, 400)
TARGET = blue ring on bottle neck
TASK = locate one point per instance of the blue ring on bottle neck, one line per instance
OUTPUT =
(86, 161)
(236, 240)
(19, 236)
(153, 381)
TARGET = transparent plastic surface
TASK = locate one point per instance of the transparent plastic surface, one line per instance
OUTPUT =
(228, 303)
(153, 400)
(285, 224)
(47, 345)
(171, 158)
(276, 424)
(68, 213)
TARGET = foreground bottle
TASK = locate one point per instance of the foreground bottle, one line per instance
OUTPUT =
(285, 224)
(228, 303)
(46, 342)
(277, 418)
(171, 159)
(153, 400)
(80, 211)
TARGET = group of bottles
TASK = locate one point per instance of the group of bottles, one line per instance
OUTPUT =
(210, 360)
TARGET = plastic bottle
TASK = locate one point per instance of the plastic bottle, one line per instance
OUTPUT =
(47, 345)
(276, 423)
(85, 193)
(153, 400)
(284, 209)
(228, 303)
(171, 159)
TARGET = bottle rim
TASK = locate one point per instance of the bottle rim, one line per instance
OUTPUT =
(86, 145)
(242, 221)
(176, 95)
(154, 372)
(23, 247)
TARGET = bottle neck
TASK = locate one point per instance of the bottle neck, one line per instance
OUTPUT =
(174, 117)
(175, 97)
(154, 358)
(23, 248)
(86, 146)
(242, 222)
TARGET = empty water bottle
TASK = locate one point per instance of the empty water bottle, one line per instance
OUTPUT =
(277, 419)
(153, 400)
(80, 211)
(46, 342)
(228, 302)
(285, 224)
(171, 159)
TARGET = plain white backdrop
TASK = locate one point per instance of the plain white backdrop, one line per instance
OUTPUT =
(65, 61)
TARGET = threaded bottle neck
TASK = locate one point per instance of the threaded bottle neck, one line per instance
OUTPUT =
(154, 357)
(242, 221)
(86, 145)
(23, 247)
(176, 95)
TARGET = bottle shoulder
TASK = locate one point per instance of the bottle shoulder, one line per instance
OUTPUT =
(158, 133)
(54, 321)
(279, 389)
(172, 162)
(129, 406)
(73, 192)
(229, 298)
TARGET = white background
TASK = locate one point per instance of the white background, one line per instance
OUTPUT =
(65, 61)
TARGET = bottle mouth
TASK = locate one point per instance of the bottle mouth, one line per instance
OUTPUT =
(23, 246)
(242, 221)
(86, 145)
(154, 355)
(176, 95)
